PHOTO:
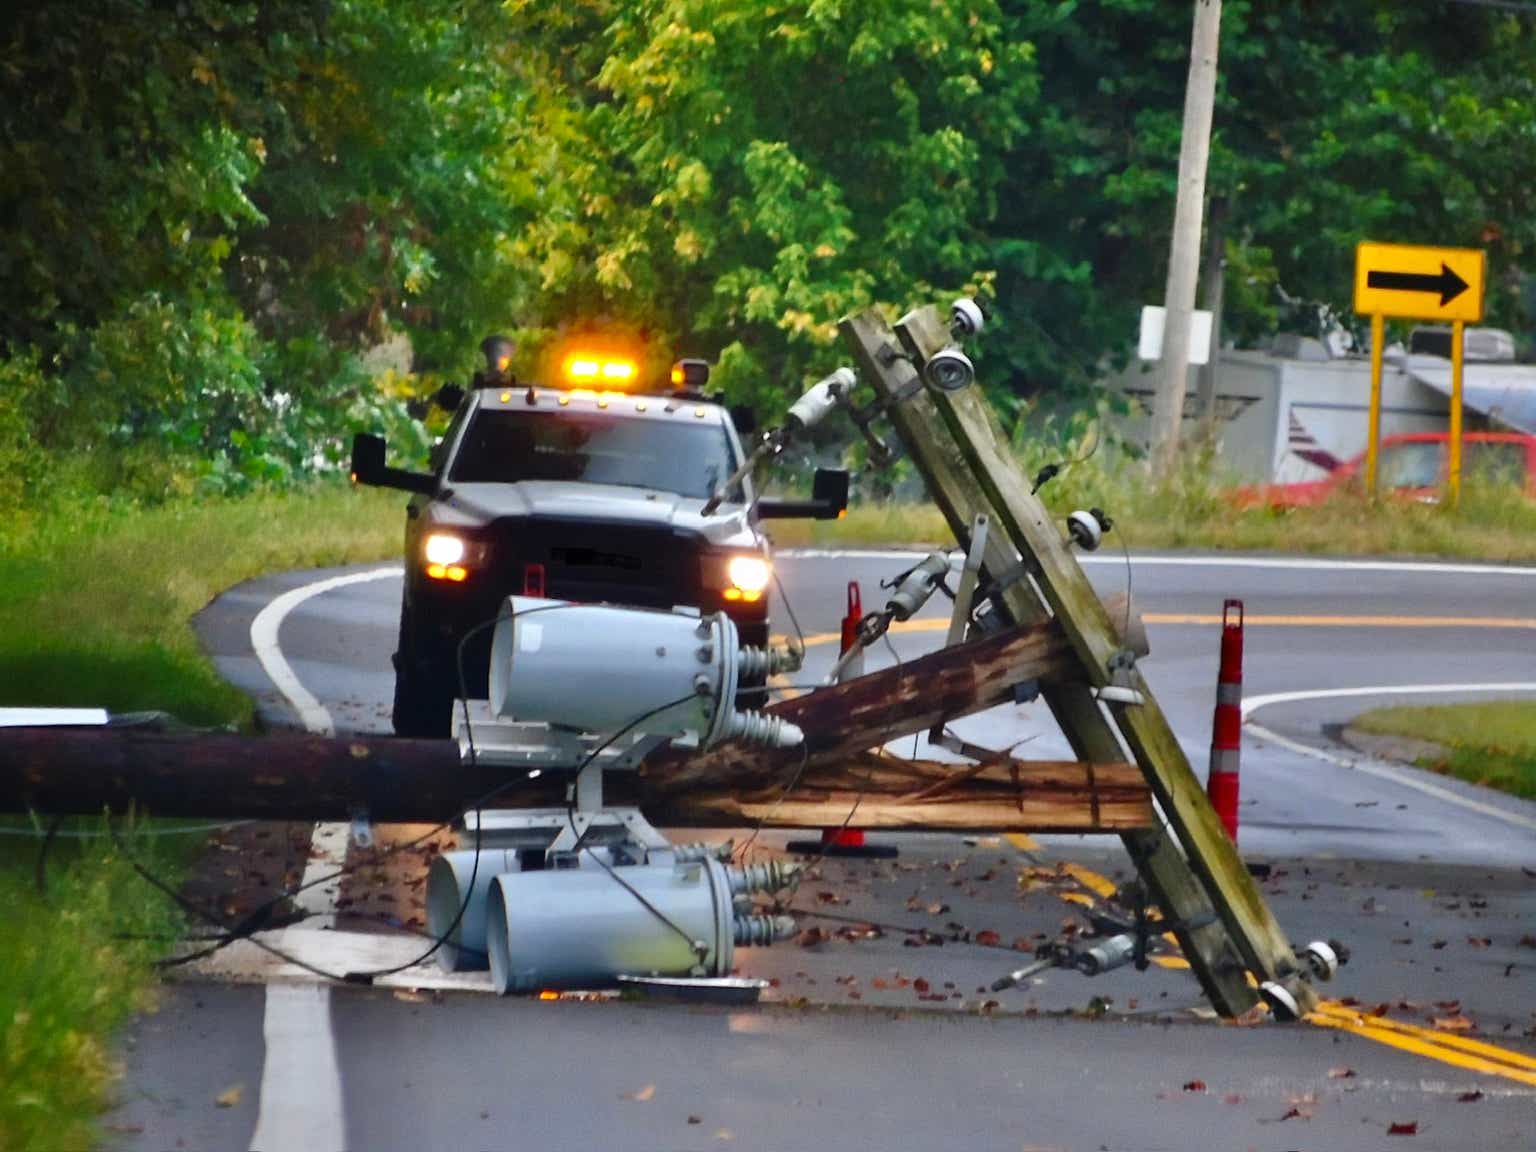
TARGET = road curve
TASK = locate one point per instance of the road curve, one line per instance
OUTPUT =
(1421, 875)
(1321, 627)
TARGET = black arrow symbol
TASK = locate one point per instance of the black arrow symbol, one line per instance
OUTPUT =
(1445, 282)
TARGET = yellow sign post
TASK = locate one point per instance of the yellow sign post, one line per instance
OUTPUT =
(1420, 284)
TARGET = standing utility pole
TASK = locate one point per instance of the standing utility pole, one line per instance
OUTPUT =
(1184, 252)
(1212, 298)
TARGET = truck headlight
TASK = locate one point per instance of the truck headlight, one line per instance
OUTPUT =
(442, 548)
(748, 577)
(446, 556)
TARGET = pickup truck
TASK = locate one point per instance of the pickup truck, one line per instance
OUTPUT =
(591, 490)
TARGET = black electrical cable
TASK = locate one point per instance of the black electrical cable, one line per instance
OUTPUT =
(202, 913)
(42, 855)
(1051, 471)
(828, 841)
(697, 947)
(799, 648)
(794, 782)
(233, 933)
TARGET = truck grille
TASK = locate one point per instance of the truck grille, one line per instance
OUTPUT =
(594, 562)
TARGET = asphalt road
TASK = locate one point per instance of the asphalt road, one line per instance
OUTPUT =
(1428, 881)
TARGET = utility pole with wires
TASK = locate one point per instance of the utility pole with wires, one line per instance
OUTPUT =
(1184, 250)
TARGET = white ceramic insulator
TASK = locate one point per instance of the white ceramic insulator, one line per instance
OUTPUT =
(759, 728)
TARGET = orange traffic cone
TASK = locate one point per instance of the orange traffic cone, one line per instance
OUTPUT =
(1227, 731)
(847, 841)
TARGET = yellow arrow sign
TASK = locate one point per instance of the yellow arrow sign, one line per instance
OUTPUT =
(1419, 283)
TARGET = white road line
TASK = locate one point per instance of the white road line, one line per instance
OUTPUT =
(300, 1103)
(1279, 563)
(300, 1078)
(1409, 778)
(269, 621)
(328, 845)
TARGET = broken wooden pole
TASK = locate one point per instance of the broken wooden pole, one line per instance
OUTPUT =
(895, 701)
(950, 464)
(88, 771)
(883, 791)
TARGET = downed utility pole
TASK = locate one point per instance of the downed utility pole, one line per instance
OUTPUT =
(84, 771)
(53, 770)
(1217, 913)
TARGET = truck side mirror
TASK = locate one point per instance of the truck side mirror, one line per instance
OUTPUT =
(448, 397)
(829, 488)
(829, 498)
(367, 458)
(368, 468)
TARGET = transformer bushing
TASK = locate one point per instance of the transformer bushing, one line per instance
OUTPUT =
(584, 928)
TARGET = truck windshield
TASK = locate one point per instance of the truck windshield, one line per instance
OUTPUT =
(503, 447)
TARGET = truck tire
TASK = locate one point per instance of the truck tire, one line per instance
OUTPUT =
(422, 712)
(423, 706)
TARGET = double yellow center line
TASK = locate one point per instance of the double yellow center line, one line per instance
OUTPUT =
(1434, 1044)
(1255, 620)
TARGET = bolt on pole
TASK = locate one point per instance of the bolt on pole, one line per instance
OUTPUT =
(1184, 250)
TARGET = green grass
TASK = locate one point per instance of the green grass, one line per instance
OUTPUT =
(95, 608)
(1490, 743)
(77, 962)
(1194, 512)
(95, 600)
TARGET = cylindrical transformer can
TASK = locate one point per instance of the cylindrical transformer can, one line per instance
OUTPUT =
(448, 879)
(585, 929)
(599, 668)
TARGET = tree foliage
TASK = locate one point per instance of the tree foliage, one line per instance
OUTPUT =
(216, 212)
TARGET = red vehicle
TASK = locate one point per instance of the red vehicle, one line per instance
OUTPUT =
(1412, 467)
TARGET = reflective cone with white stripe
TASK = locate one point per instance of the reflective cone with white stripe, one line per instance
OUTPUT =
(1227, 730)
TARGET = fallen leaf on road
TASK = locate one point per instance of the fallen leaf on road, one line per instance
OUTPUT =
(1452, 1023)
(988, 938)
(230, 1096)
(695, 1119)
(409, 996)
(724, 1134)
(642, 1094)
(1341, 1073)
(1194, 1086)
(1469, 1097)
(1409, 1129)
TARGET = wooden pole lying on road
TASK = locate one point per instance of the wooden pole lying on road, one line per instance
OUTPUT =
(292, 777)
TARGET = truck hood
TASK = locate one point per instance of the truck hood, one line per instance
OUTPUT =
(471, 505)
